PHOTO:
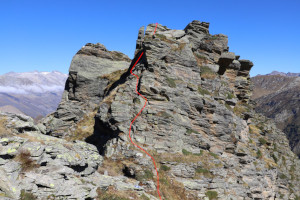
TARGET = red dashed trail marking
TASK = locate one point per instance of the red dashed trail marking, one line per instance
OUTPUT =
(136, 89)
(155, 29)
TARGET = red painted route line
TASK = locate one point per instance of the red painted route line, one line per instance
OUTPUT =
(136, 89)
(155, 29)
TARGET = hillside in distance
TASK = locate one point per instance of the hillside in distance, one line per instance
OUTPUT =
(32, 93)
(278, 97)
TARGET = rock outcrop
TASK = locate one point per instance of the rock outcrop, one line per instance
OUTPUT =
(199, 107)
(86, 85)
(199, 125)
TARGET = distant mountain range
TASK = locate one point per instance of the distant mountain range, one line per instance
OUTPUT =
(277, 95)
(32, 93)
(289, 74)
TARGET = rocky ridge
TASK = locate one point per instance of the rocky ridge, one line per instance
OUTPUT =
(199, 124)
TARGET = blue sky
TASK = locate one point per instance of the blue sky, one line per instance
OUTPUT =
(45, 35)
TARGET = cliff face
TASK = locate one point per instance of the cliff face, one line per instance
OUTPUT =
(198, 124)
(277, 97)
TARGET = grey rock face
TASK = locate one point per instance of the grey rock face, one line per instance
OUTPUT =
(85, 86)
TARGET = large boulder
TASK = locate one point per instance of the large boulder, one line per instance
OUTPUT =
(92, 70)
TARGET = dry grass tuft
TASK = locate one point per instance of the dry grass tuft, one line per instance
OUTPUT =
(254, 129)
(113, 168)
(31, 138)
(180, 47)
(163, 38)
(207, 73)
(84, 128)
(201, 60)
(112, 194)
(171, 189)
(4, 131)
(114, 76)
(240, 108)
(24, 158)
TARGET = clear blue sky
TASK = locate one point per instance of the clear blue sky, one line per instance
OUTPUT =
(44, 35)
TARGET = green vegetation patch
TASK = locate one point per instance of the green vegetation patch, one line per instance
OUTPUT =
(199, 154)
(212, 195)
(203, 171)
(203, 91)
(206, 72)
(147, 175)
(214, 37)
(186, 152)
(165, 168)
(190, 131)
(274, 158)
(230, 95)
(259, 154)
(171, 82)
(27, 195)
(214, 155)
(283, 176)
(262, 141)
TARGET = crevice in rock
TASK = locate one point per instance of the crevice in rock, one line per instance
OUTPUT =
(7, 157)
(102, 134)
(65, 177)
(79, 168)
(124, 76)
(41, 186)
(128, 172)
(26, 129)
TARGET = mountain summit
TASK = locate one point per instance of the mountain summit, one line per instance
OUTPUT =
(198, 124)
(284, 74)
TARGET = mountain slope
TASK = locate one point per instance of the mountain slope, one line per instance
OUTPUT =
(33, 93)
(10, 109)
(278, 97)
